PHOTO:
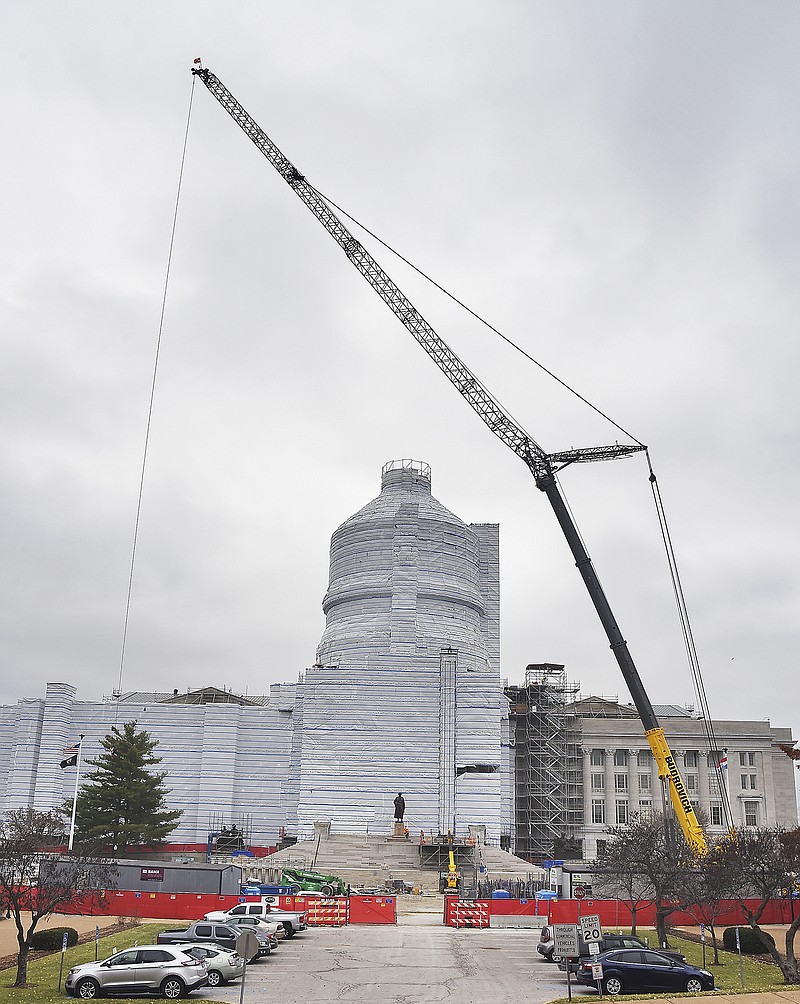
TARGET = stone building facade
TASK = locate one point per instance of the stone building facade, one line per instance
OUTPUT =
(620, 778)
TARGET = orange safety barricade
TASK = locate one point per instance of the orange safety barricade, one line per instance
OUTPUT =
(327, 912)
(467, 913)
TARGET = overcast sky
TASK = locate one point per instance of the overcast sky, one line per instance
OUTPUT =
(613, 185)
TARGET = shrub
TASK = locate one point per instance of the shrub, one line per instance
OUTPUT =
(749, 940)
(51, 939)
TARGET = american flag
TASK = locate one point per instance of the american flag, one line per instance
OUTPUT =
(71, 756)
(723, 762)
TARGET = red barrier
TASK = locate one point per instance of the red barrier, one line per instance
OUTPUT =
(617, 913)
(190, 906)
(373, 910)
(519, 907)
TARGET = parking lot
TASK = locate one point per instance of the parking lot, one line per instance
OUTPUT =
(407, 964)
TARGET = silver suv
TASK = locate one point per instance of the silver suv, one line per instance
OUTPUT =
(147, 969)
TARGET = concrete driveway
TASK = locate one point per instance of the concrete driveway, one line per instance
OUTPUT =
(405, 964)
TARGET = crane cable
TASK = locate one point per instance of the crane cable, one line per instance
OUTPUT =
(473, 313)
(680, 600)
(118, 691)
(691, 650)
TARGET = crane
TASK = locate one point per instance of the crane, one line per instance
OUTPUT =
(543, 466)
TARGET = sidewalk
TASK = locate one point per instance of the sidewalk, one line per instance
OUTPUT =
(782, 997)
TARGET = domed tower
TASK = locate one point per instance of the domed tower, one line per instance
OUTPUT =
(405, 580)
(405, 694)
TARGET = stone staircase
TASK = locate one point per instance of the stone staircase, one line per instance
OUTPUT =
(374, 861)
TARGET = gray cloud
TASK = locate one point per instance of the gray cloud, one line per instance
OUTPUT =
(612, 185)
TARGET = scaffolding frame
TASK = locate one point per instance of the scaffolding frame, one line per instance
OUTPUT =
(548, 761)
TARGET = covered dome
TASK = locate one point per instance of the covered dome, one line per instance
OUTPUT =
(404, 576)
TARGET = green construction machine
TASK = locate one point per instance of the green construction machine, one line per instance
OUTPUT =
(310, 881)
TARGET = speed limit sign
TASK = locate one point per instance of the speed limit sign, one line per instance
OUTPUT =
(590, 928)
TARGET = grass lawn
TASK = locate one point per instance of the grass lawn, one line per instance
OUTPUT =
(43, 973)
(758, 976)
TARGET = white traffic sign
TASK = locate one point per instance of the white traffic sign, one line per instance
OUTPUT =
(597, 971)
(590, 928)
(594, 948)
(565, 941)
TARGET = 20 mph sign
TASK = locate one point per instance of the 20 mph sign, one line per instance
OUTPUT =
(590, 928)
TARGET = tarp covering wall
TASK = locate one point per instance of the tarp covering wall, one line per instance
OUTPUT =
(411, 588)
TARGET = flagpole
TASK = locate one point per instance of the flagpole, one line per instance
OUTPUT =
(75, 796)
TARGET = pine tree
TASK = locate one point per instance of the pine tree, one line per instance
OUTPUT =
(123, 802)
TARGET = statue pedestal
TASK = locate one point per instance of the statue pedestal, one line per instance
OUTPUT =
(399, 830)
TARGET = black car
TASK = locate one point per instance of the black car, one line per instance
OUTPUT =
(630, 970)
(609, 943)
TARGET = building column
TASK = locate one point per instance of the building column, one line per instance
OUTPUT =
(57, 734)
(448, 673)
(611, 797)
(633, 782)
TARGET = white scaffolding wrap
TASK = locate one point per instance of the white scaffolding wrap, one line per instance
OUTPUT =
(406, 693)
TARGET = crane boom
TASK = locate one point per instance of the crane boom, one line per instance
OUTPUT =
(543, 466)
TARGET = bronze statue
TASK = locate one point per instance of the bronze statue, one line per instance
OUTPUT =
(399, 806)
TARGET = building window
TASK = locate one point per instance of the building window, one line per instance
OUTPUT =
(751, 813)
(598, 758)
(716, 814)
(645, 808)
(598, 810)
(742, 759)
(602, 848)
(620, 758)
(753, 782)
(598, 782)
(690, 758)
(645, 782)
(751, 759)
(620, 782)
(744, 782)
(622, 812)
(691, 782)
(644, 758)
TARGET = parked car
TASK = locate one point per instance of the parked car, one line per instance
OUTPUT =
(636, 971)
(221, 934)
(546, 945)
(164, 969)
(272, 929)
(223, 966)
(292, 921)
(608, 943)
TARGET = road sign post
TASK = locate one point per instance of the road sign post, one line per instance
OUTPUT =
(565, 944)
(247, 947)
(61, 967)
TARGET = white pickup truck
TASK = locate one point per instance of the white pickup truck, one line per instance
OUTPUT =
(292, 922)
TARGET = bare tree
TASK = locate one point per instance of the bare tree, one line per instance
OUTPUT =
(760, 865)
(705, 890)
(35, 879)
(648, 862)
(618, 873)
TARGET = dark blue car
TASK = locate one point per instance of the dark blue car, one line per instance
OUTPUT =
(633, 971)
